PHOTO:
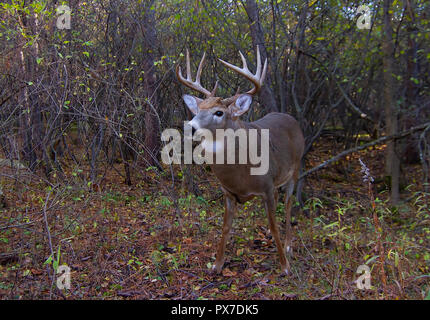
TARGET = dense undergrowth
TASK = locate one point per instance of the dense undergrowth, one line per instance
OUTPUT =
(156, 241)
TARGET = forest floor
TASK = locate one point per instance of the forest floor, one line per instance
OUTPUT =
(154, 240)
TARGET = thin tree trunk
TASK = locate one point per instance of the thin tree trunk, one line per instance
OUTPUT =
(152, 126)
(392, 161)
(267, 97)
(28, 149)
(409, 147)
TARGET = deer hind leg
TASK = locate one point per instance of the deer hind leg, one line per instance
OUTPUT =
(276, 195)
(230, 210)
(271, 209)
(288, 203)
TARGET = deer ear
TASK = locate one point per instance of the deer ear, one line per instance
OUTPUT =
(192, 103)
(241, 105)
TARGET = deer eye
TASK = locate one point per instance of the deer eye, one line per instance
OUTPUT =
(219, 113)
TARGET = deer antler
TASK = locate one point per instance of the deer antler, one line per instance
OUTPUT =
(195, 85)
(257, 79)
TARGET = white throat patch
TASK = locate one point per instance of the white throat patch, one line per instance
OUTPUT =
(213, 146)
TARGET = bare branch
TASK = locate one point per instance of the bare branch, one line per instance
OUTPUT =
(365, 146)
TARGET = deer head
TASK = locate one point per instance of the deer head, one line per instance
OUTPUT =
(214, 112)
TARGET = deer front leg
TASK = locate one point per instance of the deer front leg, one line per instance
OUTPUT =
(271, 209)
(288, 203)
(229, 212)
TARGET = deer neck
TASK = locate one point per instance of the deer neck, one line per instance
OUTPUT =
(237, 124)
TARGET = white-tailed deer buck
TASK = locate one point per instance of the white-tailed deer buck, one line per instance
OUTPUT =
(285, 152)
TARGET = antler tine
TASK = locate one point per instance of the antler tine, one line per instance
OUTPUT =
(195, 85)
(214, 89)
(188, 66)
(245, 65)
(263, 74)
(257, 79)
(199, 70)
(230, 100)
(258, 72)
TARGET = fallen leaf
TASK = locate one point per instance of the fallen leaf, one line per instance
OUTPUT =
(36, 272)
(228, 273)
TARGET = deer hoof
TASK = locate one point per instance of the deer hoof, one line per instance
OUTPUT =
(216, 269)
